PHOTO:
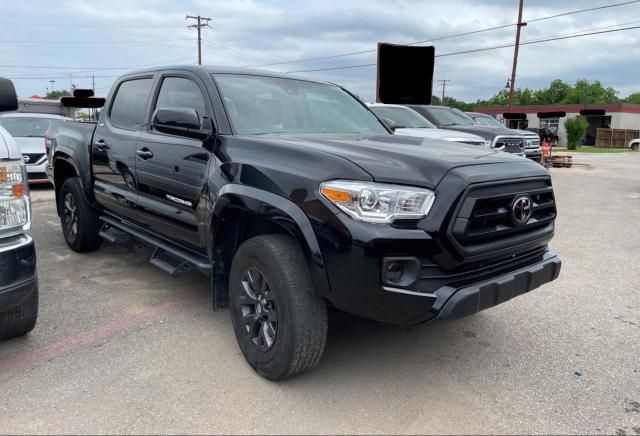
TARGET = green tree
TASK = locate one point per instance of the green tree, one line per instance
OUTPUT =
(585, 92)
(576, 128)
(55, 95)
(556, 92)
(633, 98)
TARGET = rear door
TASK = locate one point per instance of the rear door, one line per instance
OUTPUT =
(114, 145)
(172, 170)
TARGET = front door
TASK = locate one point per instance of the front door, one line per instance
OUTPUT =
(172, 170)
(113, 150)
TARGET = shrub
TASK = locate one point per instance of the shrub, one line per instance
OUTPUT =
(576, 128)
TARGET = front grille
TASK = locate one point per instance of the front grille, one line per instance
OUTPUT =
(510, 144)
(476, 143)
(33, 158)
(531, 142)
(486, 216)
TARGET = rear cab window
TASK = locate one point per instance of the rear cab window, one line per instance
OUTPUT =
(128, 108)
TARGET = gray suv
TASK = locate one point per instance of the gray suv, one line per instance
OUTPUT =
(511, 141)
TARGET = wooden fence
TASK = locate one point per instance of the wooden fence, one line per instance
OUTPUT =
(615, 138)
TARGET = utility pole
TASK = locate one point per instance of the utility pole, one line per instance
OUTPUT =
(201, 22)
(444, 84)
(515, 54)
(52, 82)
(93, 83)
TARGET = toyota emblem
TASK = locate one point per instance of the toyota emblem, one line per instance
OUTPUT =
(25, 158)
(521, 210)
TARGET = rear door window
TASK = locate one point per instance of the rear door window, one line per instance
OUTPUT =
(130, 103)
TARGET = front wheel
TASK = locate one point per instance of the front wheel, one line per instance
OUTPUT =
(80, 224)
(635, 146)
(20, 320)
(279, 320)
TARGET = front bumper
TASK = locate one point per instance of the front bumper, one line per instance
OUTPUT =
(17, 270)
(37, 173)
(357, 271)
(534, 154)
(455, 303)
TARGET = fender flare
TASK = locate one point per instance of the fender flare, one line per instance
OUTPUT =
(284, 212)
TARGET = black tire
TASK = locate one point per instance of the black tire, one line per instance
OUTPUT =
(635, 146)
(294, 314)
(20, 320)
(80, 224)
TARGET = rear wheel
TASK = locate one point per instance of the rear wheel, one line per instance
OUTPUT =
(279, 320)
(80, 224)
(20, 320)
(635, 146)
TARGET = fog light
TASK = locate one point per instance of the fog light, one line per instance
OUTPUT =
(400, 271)
(394, 271)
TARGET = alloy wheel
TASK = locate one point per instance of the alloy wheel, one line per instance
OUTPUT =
(258, 310)
(70, 216)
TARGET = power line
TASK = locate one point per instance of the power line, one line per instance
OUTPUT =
(92, 26)
(597, 8)
(455, 35)
(149, 41)
(537, 41)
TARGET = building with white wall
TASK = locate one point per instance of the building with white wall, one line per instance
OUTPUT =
(613, 116)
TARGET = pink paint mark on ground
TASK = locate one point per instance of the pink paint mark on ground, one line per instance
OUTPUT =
(50, 351)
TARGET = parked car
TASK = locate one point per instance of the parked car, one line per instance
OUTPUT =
(454, 119)
(532, 147)
(28, 130)
(408, 122)
(295, 197)
(634, 144)
(18, 278)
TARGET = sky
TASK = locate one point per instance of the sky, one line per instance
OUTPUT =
(70, 41)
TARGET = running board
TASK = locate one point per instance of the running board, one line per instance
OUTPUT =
(161, 259)
(118, 238)
(163, 249)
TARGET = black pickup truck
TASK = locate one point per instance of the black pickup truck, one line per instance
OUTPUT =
(295, 198)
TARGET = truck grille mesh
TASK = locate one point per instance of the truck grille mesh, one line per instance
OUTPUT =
(487, 215)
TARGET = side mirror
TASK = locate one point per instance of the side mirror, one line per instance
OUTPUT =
(180, 121)
(8, 97)
(390, 124)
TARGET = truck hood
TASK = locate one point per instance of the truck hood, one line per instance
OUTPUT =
(396, 158)
(8, 147)
(30, 145)
(485, 131)
(444, 134)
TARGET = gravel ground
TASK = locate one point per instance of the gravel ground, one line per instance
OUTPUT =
(122, 348)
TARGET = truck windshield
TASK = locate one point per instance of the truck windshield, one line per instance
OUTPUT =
(487, 121)
(450, 117)
(260, 105)
(26, 127)
(403, 117)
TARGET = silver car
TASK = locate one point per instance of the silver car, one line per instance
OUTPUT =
(28, 130)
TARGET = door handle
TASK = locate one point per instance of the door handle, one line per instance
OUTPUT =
(101, 145)
(144, 153)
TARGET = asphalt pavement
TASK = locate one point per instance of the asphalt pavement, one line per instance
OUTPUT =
(120, 347)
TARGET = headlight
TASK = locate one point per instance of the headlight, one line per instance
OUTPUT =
(15, 207)
(377, 202)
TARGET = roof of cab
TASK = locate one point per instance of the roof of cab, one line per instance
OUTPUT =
(212, 69)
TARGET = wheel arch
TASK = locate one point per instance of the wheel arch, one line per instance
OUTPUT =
(63, 169)
(242, 212)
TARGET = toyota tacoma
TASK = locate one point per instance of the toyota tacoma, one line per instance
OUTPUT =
(295, 198)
